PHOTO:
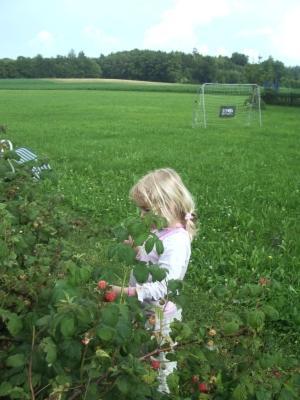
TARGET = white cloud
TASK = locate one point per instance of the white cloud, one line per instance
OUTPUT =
(99, 36)
(178, 25)
(43, 38)
(285, 39)
(42, 43)
(256, 32)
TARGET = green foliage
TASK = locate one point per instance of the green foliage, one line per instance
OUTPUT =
(248, 207)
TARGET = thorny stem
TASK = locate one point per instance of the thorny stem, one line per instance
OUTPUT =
(166, 349)
(30, 364)
(82, 362)
(123, 284)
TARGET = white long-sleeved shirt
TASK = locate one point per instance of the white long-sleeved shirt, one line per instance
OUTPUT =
(175, 259)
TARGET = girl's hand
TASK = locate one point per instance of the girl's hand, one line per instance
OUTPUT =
(129, 241)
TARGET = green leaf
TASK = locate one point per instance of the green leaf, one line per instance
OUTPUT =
(85, 273)
(121, 233)
(105, 333)
(174, 285)
(240, 393)
(157, 273)
(102, 354)
(149, 244)
(271, 313)
(14, 324)
(110, 315)
(230, 328)
(122, 384)
(287, 394)
(67, 326)
(5, 388)
(17, 360)
(173, 383)
(49, 347)
(43, 321)
(136, 228)
(123, 330)
(263, 394)
(256, 319)
(141, 272)
(141, 239)
(125, 253)
(159, 247)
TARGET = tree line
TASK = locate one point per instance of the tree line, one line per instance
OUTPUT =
(159, 66)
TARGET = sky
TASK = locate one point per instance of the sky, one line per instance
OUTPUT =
(257, 28)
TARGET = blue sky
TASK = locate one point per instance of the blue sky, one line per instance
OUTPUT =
(253, 27)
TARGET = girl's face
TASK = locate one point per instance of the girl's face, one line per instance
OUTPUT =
(144, 210)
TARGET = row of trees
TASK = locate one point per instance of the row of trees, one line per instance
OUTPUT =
(158, 66)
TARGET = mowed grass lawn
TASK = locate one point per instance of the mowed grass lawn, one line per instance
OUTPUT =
(246, 181)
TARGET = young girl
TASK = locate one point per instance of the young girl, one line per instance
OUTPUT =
(163, 192)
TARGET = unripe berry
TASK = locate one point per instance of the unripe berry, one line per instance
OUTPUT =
(155, 364)
(203, 387)
(102, 285)
(263, 281)
(212, 332)
(195, 378)
(110, 296)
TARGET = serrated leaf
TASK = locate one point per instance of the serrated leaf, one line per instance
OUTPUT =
(263, 394)
(121, 233)
(136, 228)
(122, 384)
(157, 273)
(149, 244)
(173, 382)
(271, 313)
(67, 326)
(140, 239)
(49, 347)
(14, 324)
(159, 247)
(110, 315)
(105, 333)
(230, 328)
(102, 354)
(125, 253)
(17, 360)
(5, 388)
(174, 285)
(141, 272)
(240, 393)
(256, 319)
(43, 321)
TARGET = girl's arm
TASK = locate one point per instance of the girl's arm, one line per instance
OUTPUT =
(129, 291)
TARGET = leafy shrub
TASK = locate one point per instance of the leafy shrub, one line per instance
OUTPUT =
(62, 337)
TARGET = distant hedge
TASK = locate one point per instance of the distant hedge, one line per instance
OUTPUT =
(284, 99)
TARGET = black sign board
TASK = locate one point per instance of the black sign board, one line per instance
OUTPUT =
(227, 111)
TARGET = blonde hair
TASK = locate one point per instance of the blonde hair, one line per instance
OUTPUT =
(163, 192)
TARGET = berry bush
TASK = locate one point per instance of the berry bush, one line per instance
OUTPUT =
(65, 335)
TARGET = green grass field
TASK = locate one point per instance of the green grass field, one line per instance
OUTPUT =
(246, 181)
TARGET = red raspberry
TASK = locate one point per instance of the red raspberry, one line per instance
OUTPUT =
(110, 296)
(155, 364)
(203, 387)
(102, 285)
